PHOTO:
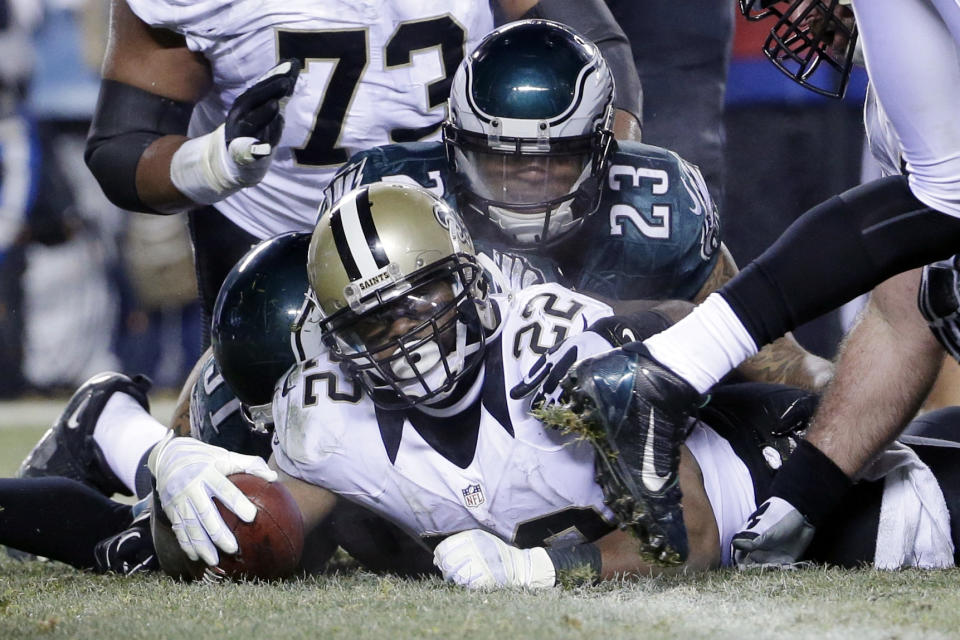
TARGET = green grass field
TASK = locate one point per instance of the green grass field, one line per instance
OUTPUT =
(48, 600)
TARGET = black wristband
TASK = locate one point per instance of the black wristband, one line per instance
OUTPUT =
(622, 328)
(811, 482)
(577, 564)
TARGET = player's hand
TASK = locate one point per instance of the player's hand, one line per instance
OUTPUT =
(238, 153)
(479, 560)
(546, 373)
(189, 474)
(775, 535)
(255, 121)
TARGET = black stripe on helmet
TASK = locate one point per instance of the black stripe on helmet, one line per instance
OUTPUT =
(365, 215)
(343, 248)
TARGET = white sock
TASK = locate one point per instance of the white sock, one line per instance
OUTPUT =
(704, 346)
(124, 432)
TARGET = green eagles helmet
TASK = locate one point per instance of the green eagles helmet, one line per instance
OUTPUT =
(400, 299)
(254, 314)
(528, 129)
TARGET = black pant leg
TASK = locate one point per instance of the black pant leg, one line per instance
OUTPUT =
(58, 518)
(217, 245)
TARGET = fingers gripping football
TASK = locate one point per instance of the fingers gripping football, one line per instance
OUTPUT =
(477, 559)
(189, 474)
(238, 153)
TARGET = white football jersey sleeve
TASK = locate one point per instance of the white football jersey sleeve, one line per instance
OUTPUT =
(524, 482)
(881, 138)
(374, 72)
(910, 49)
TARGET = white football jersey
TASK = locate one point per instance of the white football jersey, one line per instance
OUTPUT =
(528, 484)
(881, 138)
(375, 72)
(910, 49)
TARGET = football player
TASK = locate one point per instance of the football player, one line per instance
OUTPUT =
(98, 447)
(454, 465)
(838, 250)
(528, 159)
(194, 100)
(409, 413)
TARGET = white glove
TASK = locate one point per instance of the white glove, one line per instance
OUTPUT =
(775, 535)
(189, 475)
(238, 153)
(479, 560)
(546, 373)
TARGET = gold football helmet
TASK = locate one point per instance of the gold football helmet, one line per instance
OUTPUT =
(401, 300)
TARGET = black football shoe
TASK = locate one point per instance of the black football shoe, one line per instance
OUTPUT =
(68, 450)
(636, 414)
(130, 551)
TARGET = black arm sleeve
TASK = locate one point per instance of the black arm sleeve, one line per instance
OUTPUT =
(126, 121)
(593, 19)
(836, 251)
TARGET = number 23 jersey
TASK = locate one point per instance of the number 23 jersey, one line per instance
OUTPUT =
(490, 465)
(655, 234)
(374, 72)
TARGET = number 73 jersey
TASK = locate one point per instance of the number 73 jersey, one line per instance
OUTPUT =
(483, 463)
(374, 72)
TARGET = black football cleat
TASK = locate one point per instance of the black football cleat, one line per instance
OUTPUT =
(130, 551)
(68, 450)
(636, 414)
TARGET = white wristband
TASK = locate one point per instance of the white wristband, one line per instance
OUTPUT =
(200, 169)
(206, 171)
(543, 574)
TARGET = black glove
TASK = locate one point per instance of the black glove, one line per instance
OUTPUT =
(237, 154)
(257, 114)
(545, 374)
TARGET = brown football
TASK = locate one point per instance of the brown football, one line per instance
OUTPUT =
(269, 547)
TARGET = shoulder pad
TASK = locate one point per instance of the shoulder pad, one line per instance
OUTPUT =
(183, 17)
(542, 315)
(656, 233)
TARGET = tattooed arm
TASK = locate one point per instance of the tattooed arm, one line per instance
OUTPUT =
(784, 361)
(725, 269)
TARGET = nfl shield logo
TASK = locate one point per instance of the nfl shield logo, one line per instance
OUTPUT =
(473, 495)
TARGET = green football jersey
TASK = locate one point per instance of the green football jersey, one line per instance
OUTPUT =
(655, 235)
